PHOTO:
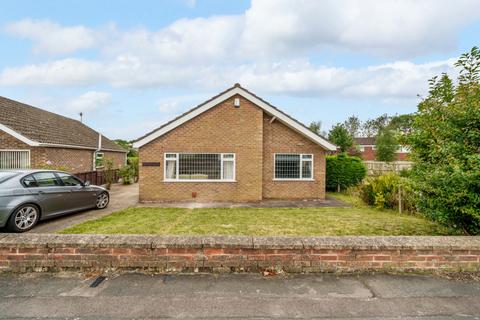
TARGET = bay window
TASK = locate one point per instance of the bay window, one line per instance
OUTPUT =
(290, 166)
(199, 167)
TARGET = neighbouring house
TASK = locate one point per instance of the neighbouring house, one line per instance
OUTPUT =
(367, 149)
(33, 138)
(233, 147)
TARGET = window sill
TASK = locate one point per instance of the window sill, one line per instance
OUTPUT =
(202, 181)
(304, 180)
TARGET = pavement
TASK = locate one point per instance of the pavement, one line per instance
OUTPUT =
(238, 296)
(121, 197)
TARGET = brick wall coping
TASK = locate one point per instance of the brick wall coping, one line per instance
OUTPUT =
(240, 242)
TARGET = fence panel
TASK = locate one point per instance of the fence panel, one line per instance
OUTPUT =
(381, 167)
(97, 177)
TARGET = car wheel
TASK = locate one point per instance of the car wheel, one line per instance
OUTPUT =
(24, 218)
(102, 200)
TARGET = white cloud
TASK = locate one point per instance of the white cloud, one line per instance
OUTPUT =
(89, 101)
(398, 79)
(388, 28)
(51, 37)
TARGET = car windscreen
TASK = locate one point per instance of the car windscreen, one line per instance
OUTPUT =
(5, 175)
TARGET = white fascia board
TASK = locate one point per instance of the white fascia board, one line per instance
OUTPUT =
(18, 136)
(240, 91)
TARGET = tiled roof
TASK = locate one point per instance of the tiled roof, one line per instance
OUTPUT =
(368, 141)
(46, 127)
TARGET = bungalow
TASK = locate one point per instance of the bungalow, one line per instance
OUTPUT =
(233, 147)
(33, 138)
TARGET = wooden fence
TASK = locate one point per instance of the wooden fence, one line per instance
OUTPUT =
(98, 177)
(380, 167)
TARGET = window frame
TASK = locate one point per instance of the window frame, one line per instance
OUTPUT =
(177, 167)
(29, 159)
(312, 160)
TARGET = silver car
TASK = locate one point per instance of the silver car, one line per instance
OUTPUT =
(28, 196)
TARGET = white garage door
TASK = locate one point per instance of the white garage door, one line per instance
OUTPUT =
(14, 159)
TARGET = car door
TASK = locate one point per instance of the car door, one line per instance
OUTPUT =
(80, 196)
(51, 195)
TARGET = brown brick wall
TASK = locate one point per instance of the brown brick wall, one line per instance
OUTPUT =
(36, 252)
(222, 129)
(278, 138)
(73, 160)
(118, 158)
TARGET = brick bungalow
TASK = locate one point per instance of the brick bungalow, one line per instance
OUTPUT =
(233, 147)
(367, 148)
(31, 137)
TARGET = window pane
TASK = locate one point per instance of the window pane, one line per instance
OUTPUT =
(29, 182)
(307, 169)
(171, 169)
(228, 169)
(45, 179)
(199, 166)
(228, 156)
(287, 166)
(69, 180)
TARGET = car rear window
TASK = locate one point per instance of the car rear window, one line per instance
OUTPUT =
(4, 176)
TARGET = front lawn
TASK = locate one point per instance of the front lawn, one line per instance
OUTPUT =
(260, 222)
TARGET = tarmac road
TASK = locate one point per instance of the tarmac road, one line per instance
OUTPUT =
(241, 296)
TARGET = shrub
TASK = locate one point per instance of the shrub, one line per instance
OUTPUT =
(127, 174)
(133, 162)
(383, 192)
(109, 174)
(344, 171)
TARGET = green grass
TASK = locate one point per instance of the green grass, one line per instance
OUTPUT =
(359, 220)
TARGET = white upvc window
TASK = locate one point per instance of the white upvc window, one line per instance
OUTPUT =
(199, 167)
(293, 166)
(14, 159)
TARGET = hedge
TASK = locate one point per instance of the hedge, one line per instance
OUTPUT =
(344, 171)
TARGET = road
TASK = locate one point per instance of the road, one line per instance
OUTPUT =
(243, 296)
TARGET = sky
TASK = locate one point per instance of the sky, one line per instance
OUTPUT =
(130, 66)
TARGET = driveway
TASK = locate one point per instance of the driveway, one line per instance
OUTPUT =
(121, 197)
(241, 296)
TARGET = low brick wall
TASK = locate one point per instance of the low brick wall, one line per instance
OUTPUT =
(44, 252)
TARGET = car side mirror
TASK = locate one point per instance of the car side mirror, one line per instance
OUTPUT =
(86, 184)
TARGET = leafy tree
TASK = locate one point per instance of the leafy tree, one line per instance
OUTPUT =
(353, 124)
(315, 126)
(387, 145)
(340, 136)
(401, 123)
(445, 148)
(127, 146)
(372, 127)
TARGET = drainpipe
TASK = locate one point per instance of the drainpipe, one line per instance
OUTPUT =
(99, 148)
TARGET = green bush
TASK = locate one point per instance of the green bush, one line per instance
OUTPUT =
(127, 174)
(344, 171)
(383, 192)
(133, 162)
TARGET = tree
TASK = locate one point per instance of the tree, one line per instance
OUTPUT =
(372, 127)
(445, 148)
(127, 146)
(387, 145)
(340, 136)
(315, 126)
(352, 124)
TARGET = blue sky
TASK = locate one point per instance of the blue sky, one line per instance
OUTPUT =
(130, 66)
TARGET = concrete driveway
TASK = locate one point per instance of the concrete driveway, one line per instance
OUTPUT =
(121, 197)
(240, 296)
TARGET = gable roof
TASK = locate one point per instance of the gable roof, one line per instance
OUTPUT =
(230, 92)
(37, 127)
